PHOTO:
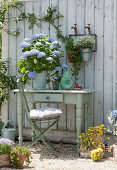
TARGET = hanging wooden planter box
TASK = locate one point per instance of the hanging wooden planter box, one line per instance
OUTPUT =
(5, 160)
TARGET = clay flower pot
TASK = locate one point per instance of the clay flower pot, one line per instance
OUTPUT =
(22, 159)
(70, 53)
(5, 160)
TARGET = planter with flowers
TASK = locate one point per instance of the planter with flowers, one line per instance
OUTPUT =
(40, 55)
(5, 149)
(85, 44)
(112, 117)
(92, 139)
(19, 155)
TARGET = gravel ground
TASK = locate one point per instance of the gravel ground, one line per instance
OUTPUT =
(67, 159)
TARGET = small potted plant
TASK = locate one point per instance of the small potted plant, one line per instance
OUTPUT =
(93, 138)
(85, 44)
(112, 117)
(5, 149)
(40, 55)
(19, 155)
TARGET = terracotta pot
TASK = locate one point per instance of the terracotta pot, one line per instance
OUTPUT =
(85, 154)
(22, 159)
(70, 53)
(115, 151)
(5, 160)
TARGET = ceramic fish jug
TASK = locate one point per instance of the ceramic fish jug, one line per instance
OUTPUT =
(66, 81)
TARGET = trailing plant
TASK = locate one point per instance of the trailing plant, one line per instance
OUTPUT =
(74, 53)
(6, 82)
(1, 126)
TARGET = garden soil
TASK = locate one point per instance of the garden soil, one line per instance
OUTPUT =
(67, 159)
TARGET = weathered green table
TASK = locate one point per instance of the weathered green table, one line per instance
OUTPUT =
(78, 97)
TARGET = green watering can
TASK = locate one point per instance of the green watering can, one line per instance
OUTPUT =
(9, 133)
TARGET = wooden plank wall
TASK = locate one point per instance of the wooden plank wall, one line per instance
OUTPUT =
(96, 74)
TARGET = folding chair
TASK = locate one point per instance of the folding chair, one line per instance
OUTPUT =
(35, 116)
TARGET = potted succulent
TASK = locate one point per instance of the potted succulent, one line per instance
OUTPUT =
(85, 44)
(19, 155)
(5, 149)
(92, 139)
(73, 56)
(40, 55)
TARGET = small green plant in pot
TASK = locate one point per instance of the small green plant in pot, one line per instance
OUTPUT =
(19, 155)
(85, 44)
(73, 56)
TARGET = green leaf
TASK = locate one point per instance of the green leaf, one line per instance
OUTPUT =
(23, 70)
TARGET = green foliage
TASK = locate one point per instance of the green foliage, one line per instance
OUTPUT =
(6, 82)
(1, 126)
(75, 55)
(15, 156)
(86, 41)
(96, 154)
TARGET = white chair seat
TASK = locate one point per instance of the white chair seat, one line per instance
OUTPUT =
(45, 113)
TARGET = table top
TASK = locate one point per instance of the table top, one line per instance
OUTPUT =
(57, 91)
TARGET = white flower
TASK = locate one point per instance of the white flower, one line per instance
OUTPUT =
(35, 61)
(38, 44)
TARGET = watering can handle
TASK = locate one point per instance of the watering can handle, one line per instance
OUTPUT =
(8, 122)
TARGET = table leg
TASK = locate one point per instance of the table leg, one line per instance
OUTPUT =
(89, 112)
(33, 106)
(79, 110)
(20, 120)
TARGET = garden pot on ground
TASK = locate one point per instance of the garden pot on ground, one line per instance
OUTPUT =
(5, 160)
(115, 151)
(40, 81)
(86, 54)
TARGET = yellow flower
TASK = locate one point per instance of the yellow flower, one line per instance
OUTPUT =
(108, 138)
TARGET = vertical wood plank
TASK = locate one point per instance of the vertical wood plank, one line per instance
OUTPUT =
(99, 64)
(28, 6)
(44, 30)
(12, 55)
(108, 58)
(4, 108)
(20, 38)
(71, 118)
(80, 25)
(63, 22)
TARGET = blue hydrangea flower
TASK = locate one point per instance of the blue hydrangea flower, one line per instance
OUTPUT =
(34, 37)
(34, 52)
(50, 40)
(63, 65)
(40, 35)
(27, 40)
(41, 54)
(26, 54)
(113, 115)
(56, 53)
(58, 69)
(55, 44)
(32, 75)
(24, 44)
(49, 59)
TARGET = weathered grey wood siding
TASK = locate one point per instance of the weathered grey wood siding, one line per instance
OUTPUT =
(96, 74)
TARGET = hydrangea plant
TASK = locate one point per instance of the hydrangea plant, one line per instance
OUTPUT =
(86, 41)
(39, 53)
(112, 118)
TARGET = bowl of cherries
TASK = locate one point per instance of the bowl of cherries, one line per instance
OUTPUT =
(76, 87)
